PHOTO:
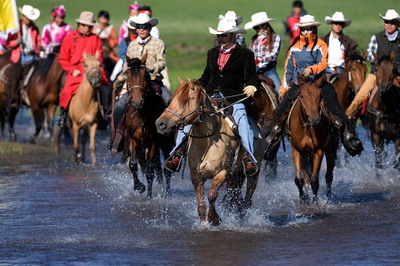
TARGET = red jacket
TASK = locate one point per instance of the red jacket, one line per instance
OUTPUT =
(71, 57)
(36, 39)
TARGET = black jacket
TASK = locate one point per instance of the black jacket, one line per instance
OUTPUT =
(239, 71)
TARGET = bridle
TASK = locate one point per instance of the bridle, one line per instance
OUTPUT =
(135, 86)
(307, 123)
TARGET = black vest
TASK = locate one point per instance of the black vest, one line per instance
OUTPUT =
(385, 47)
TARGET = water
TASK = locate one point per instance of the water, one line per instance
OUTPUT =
(80, 215)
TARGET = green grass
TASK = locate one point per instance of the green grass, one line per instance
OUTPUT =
(184, 24)
(10, 148)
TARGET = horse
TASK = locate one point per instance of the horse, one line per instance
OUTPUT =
(383, 109)
(312, 136)
(350, 81)
(10, 79)
(141, 140)
(43, 92)
(213, 147)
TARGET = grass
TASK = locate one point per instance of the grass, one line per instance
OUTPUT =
(184, 24)
(10, 148)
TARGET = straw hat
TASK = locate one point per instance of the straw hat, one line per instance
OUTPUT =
(86, 18)
(258, 19)
(306, 21)
(226, 26)
(142, 18)
(391, 14)
(30, 12)
(231, 15)
(338, 17)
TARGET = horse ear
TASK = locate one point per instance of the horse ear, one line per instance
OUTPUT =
(97, 55)
(127, 58)
(365, 55)
(144, 58)
(376, 57)
(181, 80)
(190, 83)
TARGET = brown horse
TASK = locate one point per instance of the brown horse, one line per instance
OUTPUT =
(10, 79)
(312, 135)
(351, 79)
(83, 109)
(43, 92)
(141, 140)
(383, 109)
(213, 147)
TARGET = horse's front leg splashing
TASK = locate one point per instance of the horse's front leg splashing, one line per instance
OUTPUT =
(133, 166)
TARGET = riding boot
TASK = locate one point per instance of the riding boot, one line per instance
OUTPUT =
(350, 140)
(249, 166)
(173, 163)
(63, 118)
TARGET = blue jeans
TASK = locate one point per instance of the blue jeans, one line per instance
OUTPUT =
(27, 58)
(244, 129)
(272, 74)
(330, 71)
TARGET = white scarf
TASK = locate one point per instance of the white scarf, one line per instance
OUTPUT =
(392, 37)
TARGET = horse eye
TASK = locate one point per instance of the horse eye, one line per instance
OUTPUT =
(301, 96)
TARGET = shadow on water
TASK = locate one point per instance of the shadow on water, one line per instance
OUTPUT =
(360, 198)
(285, 220)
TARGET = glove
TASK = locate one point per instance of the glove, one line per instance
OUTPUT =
(306, 72)
(249, 90)
(118, 84)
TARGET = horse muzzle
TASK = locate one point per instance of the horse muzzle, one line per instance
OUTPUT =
(162, 126)
(314, 121)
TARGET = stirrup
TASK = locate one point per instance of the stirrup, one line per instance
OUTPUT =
(248, 160)
(173, 163)
(352, 143)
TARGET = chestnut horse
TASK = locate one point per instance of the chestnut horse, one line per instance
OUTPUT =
(43, 92)
(384, 109)
(212, 149)
(10, 79)
(312, 135)
(141, 140)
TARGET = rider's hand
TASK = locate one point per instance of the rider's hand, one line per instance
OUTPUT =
(76, 72)
(306, 72)
(249, 90)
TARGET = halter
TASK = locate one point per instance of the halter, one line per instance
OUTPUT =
(307, 124)
(137, 87)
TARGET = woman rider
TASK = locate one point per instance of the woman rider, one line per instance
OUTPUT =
(308, 56)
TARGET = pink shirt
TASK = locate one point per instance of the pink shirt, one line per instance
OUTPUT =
(53, 35)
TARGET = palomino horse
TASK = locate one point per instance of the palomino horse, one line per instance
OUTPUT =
(43, 92)
(141, 140)
(213, 149)
(312, 135)
(10, 77)
(383, 109)
(351, 79)
(83, 109)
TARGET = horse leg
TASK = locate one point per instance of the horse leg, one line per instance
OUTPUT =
(251, 187)
(218, 180)
(331, 155)
(298, 180)
(271, 165)
(75, 134)
(11, 120)
(148, 170)
(37, 118)
(317, 159)
(92, 147)
(50, 114)
(133, 166)
(377, 143)
(83, 143)
(233, 194)
(397, 160)
(201, 203)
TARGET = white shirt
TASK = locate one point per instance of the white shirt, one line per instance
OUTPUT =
(27, 43)
(335, 52)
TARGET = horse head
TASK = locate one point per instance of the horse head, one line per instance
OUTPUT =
(91, 65)
(385, 71)
(137, 79)
(310, 100)
(355, 70)
(186, 107)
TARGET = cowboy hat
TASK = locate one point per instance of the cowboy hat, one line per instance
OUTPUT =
(30, 12)
(142, 18)
(258, 19)
(338, 17)
(306, 21)
(232, 16)
(226, 26)
(391, 14)
(86, 18)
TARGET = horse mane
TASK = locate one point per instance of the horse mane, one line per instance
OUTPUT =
(383, 58)
(182, 92)
(356, 57)
(44, 65)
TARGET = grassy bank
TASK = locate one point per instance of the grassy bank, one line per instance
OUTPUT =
(184, 24)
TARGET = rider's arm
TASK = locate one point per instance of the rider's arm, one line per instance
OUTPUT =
(321, 51)
(287, 76)
(272, 56)
(65, 56)
(159, 63)
(372, 49)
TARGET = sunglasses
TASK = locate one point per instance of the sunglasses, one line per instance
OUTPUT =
(390, 22)
(307, 29)
(222, 35)
(142, 26)
(338, 23)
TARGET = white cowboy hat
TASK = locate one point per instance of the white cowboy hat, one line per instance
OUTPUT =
(227, 26)
(30, 12)
(142, 18)
(86, 18)
(338, 17)
(231, 15)
(258, 19)
(307, 20)
(391, 14)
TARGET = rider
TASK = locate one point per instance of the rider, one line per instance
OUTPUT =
(154, 49)
(54, 32)
(381, 44)
(265, 45)
(339, 45)
(231, 15)
(71, 59)
(123, 29)
(229, 68)
(29, 32)
(308, 56)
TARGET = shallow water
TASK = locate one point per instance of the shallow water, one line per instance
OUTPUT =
(81, 215)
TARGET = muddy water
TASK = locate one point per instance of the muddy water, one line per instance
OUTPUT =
(68, 214)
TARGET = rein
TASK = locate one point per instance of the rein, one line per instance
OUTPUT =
(307, 124)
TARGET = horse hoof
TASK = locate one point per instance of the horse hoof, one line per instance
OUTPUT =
(304, 198)
(315, 200)
(12, 137)
(139, 188)
(32, 140)
(215, 221)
